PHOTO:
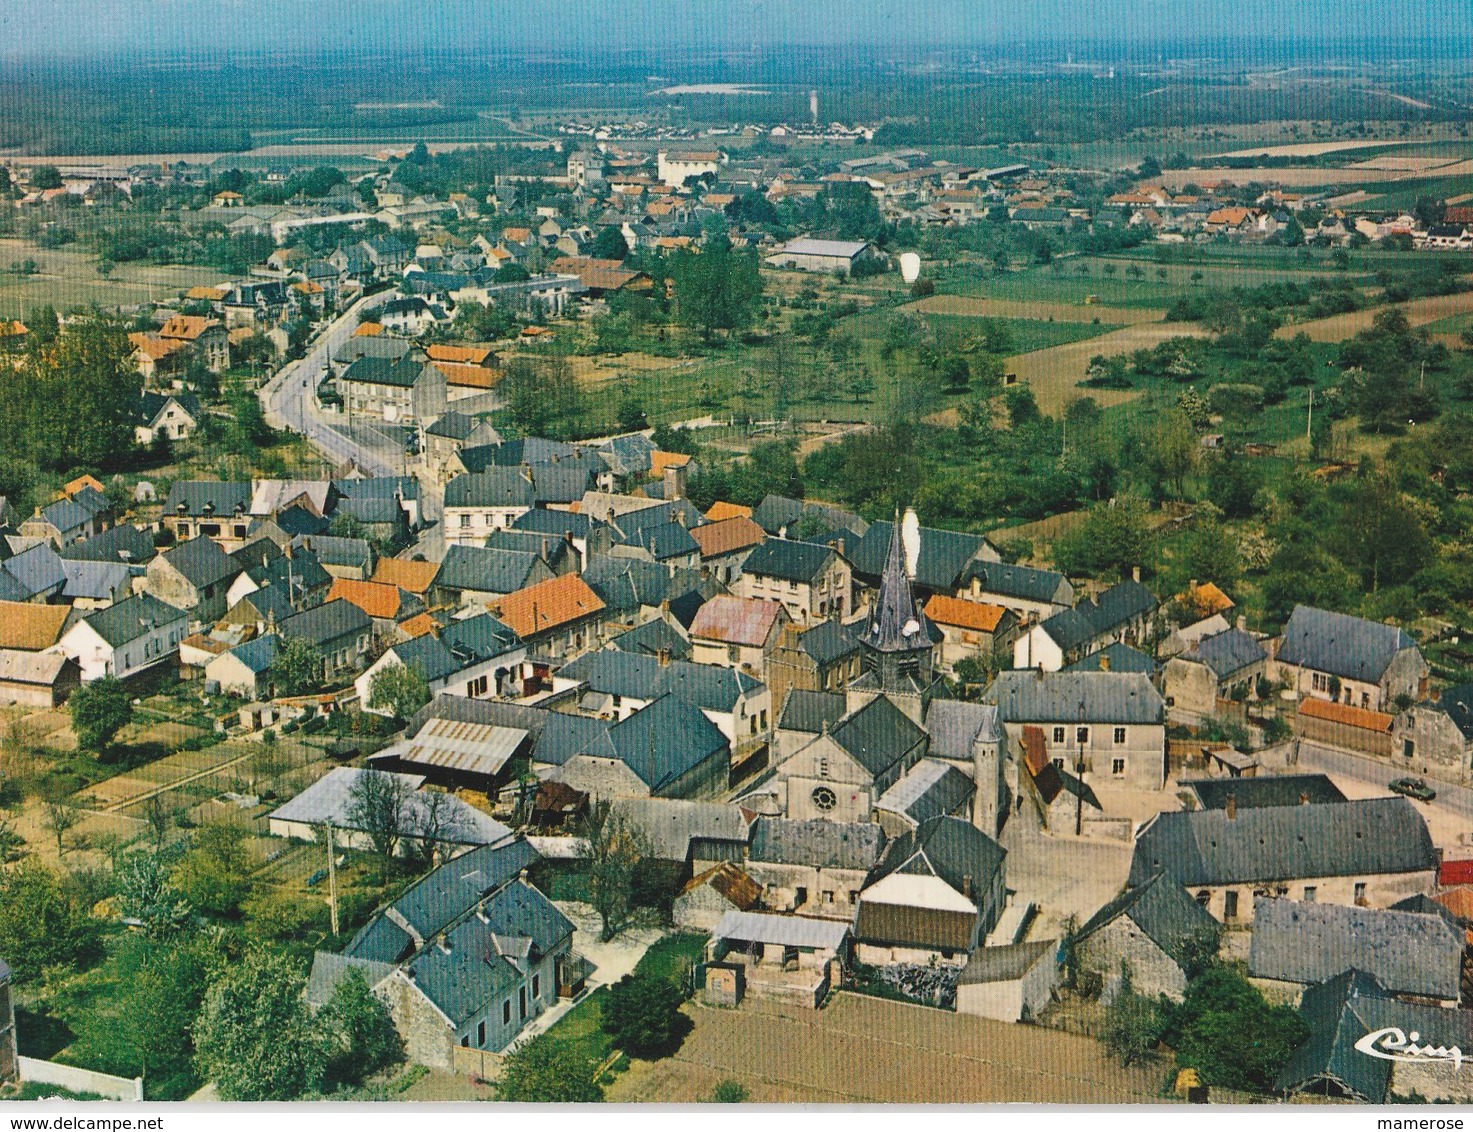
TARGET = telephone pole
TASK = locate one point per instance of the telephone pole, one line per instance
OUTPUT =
(332, 881)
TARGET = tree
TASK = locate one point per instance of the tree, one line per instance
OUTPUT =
(547, 1071)
(1174, 449)
(214, 875)
(255, 1038)
(1133, 1023)
(614, 850)
(360, 1034)
(44, 922)
(540, 392)
(716, 289)
(297, 667)
(398, 688)
(1233, 484)
(1224, 1029)
(162, 985)
(46, 177)
(146, 894)
(642, 1014)
(1112, 537)
(729, 1092)
(609, 244)
(61, 818)
(99, 710)
(378, 804)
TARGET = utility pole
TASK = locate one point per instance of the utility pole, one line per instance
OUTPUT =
(1079, 774)
(1309, 421)
(332, 880)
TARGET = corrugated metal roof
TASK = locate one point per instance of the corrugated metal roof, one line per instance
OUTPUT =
(471, 748)
(785, 931)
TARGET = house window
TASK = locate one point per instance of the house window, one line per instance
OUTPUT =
(1309, 893)
(1081, 735)
(1360, 893)
(465, 520)
(1059, 763)
(1058, 734)
(823, 768)
(1230, 905)
(481, 1035)
(1117, 767)
(522, 1002)
(465, 1042)
(506, 1012)
(824, 799)
(536, 986)
(1119, 736)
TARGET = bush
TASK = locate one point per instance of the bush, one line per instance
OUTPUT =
(729, 1092)
(643, 1016)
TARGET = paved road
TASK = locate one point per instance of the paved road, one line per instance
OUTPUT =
(288, 399)
(1450, 796)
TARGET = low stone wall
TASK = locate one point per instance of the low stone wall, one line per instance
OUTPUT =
(81, 1080)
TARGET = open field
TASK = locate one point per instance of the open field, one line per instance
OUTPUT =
(1054, 375)
(869, 1051)
(977, 306)
(1419, 312)
(1295, 177)
(1311, 149)
(67, 278)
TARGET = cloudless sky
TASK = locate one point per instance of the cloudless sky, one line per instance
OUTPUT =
(123, 28)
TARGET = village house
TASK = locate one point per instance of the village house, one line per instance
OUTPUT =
(936, 564)
(557, 618)
(407, 390)
(1436, 733)
(126, 638)
(709, 895)
(1062, 802)
(216, 510)
(737, 632)
(1298, 944)
(1111, 723)
(811, 581)
(933, 897)
(474, 575)
(341, 633)
(1334, 656)
(473, 657)
(833, 257)
(341, 557)
(245, 670)
(1371, 852)
(386, 605)
(206, 338)
(814, 867)
(823, 658)
(37, 679)
(725, 545)
(1122, 614)
(173, 416)
(1225, 666)
(794, 959)
(79, 515)
(1031, 594)
(1156, 931)
(972, 630)
(194, 576)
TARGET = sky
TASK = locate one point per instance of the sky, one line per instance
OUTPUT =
(119, 29)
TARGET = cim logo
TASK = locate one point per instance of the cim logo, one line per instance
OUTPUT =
(1394, 1044)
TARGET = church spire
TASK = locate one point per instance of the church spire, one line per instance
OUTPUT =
(895, 623)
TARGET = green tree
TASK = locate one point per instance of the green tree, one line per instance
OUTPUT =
(547, 1071)
(614, 851)
(255, 1038)
(1233, 484)
(297, 667)
(609, 244)
(46, 177)
(146, 1029)
(44, 922)
(540, 393)
(359, 1031)
(1224, 1029)
(378, 804)
(214, 875)
(1133, 1023)
(398, 688)
(1174, 449)
(1110, 538)
(716, 289)
(729, 1092)
(642, 1014)
(146, 894)
(99, 710)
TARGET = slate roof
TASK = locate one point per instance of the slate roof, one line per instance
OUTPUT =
(819, 843)
(1333, 1011)
(1227, 654)
(123, 543)
(36, 570)
(1070, 628)
(1024, 583)
(207, 497)
(707, 686)
(485, 570)
(955, 725)
(664, 541)
(428, 656)
(878, 735)
(1119, 657)
(202, 562)
(329, 969)
(477, 638)
(1023, 696)
(325, 623)
(1004, 964)
(807, 711)
(453, 426)
(669, 825)
(736, 621)
(1349, 647)
(1407, 952)
(651, 638)
(626, 584)
(788, 560)
(896, 622)
(828, 642)
(96, 580)
(132, 618)
(494, 487)
(665, 740)
(1368, 837)
(778, 511)
(1457, 702)
(948, 848)
(1163, 910)
(562, 736)
(556, 523)
(1263, 790)
(445, 894)
(1120, 604)
(402, 372)
(939, 564)
(257, 654)
(930, 789)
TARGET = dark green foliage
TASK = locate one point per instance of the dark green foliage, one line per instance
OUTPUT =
(642, 1015)
(1225, 1030)
(545, 1071)
(717, 289)
(1133, 1024)
(400, 689)
(609, 244)
(45, 922)
(296, 668)
(99, 710)
(729, 1092)
(1110, 539)
(360, 1034)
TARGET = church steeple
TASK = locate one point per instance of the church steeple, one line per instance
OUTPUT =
(896, 624)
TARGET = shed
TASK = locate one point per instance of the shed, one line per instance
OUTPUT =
(1011, 984)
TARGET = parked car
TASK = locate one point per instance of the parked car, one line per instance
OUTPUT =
(1414, 788)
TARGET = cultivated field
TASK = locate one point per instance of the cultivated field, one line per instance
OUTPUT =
(868, 1051)
(67, 278)
(1419, 312)
(1054, 374)
(976, 306)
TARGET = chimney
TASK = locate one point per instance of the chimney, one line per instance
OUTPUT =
(1039, 670)
(1135, 573)
(1303, 798)
(1104, 663)
(967, 886)
(1241, 623)
(1231, 808)
(664, 655)
(976, 588)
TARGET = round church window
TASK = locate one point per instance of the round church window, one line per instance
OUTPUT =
(824, 799)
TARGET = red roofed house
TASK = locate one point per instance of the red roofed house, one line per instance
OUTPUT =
(972, 629)
(737, 632)
(557, 618)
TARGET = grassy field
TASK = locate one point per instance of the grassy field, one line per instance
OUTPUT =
(67, 278)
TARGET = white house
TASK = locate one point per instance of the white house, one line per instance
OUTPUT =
(126, 638)
(475, 657)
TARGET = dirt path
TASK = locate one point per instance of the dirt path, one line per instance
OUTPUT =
(1054, 374)
(980, 307)
(869, 1051)
(1339, 327)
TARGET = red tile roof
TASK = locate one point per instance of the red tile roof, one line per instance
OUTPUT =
(736, 620)
(547, 605)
